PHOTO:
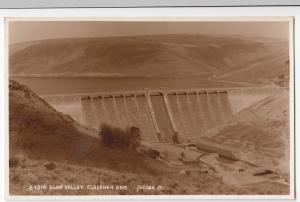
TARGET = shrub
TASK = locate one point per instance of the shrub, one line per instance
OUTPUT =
(128, 138)
(50, 166)
(106, 133)
(153, 153)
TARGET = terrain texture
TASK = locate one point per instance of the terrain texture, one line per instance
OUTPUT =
(49, 147)
(229, 59)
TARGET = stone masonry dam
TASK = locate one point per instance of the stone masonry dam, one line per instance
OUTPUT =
(190, 113)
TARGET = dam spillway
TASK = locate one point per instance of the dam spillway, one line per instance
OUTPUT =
(159, 114)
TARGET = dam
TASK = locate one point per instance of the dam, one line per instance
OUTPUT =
(160, 113)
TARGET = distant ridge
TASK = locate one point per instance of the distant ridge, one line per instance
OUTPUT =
(149, 55)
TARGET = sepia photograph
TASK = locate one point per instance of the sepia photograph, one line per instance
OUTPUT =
(173, 106)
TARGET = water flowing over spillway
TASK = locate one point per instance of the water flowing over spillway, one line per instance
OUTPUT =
(160, 114)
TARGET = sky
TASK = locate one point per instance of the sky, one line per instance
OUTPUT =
(23, 31)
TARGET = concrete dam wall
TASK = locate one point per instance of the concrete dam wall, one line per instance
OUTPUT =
(190, 113)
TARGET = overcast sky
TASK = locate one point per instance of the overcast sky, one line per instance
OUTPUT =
(21, 31)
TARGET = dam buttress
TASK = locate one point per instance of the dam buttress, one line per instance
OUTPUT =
(162, 113)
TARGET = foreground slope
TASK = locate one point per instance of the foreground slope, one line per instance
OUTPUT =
(41, 133)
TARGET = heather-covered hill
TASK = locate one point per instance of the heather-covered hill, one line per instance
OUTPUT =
(156, 55)
(39, 132)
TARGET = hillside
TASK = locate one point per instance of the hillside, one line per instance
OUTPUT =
(156, 55)
(39, 132)
(262, 130)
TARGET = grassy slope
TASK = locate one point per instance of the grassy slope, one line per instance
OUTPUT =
(41, 133)
(263, 130)
(163, 55)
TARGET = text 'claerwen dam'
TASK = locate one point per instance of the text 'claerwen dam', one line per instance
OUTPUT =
(189, 113)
